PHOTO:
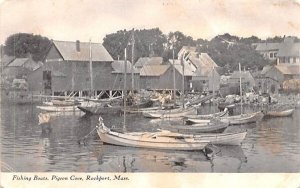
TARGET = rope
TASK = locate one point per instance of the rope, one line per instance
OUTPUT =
(86, 136)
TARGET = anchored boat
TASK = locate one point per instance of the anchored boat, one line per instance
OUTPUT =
(158, 140)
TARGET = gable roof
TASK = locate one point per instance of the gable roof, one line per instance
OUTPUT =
(267, 46)
(188, 69)
(153, 70)
(67, 49)
(119, 67)
(288, 49)
(244, 75)
(142, 61)
(155, 61)
(203, 60)
(5, 60)
(288, 69)
(18, 62)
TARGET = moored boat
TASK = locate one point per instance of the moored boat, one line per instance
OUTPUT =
(58, 108)
(174, 113)
(157, 140)
(280, 113)
(208, 116)
(215, 127)
(243, 118)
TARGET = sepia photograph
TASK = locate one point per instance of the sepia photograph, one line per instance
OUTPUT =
(116, 90)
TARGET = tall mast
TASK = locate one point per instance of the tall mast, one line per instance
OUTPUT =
(91, 70)
(174, 84)
(182, 94)
(124, 91)
(132, 60)
(241, 93)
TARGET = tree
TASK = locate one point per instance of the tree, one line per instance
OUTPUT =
(24, 44)
(147, 42)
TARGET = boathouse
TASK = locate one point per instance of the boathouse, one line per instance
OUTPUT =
(67, 68)
(117, 78)
(19, 68)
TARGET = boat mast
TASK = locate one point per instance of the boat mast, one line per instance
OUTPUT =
(182, 94)
(124, 90)
(241, 93)
(91, 70)
(132, 60)
(174, 84)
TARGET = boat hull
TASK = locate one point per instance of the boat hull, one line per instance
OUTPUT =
(100, 110)
(146, 141)
(176, 113)
(284, 113)
(203, 128)
(242, 119)
(58, 108)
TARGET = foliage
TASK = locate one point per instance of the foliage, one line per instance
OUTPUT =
(24, 45)
(147, 42)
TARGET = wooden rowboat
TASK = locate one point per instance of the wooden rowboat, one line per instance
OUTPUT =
(243, 118)
(197, 128)
(176, 113)
(208, 116)
(58, 108)
(283, 113)
(157, 140)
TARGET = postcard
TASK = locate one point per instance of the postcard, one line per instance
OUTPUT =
(161, 93)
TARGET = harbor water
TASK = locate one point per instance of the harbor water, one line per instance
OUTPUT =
(271, 145)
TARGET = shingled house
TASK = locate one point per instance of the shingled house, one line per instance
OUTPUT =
(66, 68)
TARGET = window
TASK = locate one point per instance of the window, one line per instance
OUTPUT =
(275, 54)
(294, 60)
(271, 55)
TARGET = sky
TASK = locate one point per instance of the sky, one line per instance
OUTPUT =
(82, 20)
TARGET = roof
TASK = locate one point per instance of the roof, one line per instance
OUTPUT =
(189, 49)
(5, 60)
(288, 69)
(153, 70)
(142, 61)
(18, 62)
(68, 51)
(119, 67)
(267, 46)
(266, 69)
(202, 72)
(204, 60)
(155, 61)
(289, 49)
(243, 74)
(188, 69)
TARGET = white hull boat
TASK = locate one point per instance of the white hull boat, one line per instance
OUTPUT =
(157, 140)
(283, 113)
(243, 118)
(176, 113)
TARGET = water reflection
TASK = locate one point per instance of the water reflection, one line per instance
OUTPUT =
(271, 145)
(126, 159)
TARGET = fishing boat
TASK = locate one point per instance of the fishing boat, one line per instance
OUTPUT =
(208, 116)
(100, 109)
(243, 118)
(157, 140)
(280, 113)
(210, 127)
(48, 108)
(175, 113)
(104, 108)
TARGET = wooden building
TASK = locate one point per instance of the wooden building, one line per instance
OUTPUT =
(67, 69)
(289, 52)
(19, 68)
(118, 72)
(248, 82)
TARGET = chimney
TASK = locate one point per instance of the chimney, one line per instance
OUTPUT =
(77, 45)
